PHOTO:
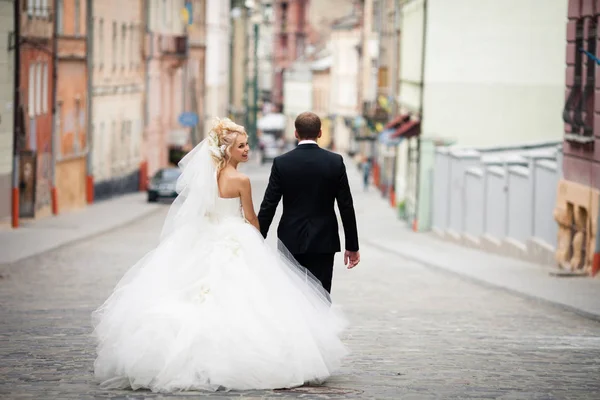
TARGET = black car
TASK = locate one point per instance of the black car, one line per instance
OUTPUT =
(162, 184)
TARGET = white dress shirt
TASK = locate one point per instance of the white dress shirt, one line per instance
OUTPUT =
(307, 141)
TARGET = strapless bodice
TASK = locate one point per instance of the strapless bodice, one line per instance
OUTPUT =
(228, 207)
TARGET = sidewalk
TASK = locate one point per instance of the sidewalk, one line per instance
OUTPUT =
(377, 219)
(35, 237)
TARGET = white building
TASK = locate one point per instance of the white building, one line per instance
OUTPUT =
(117, 96)
(265, 48)
(297, 94)
(493, 75)
(217, 61)
(345, 37)
(494, 72)
(7, 86)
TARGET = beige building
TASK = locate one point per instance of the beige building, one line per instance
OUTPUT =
(217, 61)
(321, 92)
(166, 55)
(117, 96)
(7, 86)
(344, 40)
(197, 67)
(239, 67)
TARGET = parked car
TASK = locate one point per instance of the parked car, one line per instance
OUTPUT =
(162, 184)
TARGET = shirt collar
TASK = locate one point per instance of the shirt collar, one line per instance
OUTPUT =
(307, 142)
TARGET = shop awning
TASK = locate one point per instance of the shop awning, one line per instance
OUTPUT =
(400, 119)
(408, 129)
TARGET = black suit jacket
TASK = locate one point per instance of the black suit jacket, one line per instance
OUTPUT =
(310, 180)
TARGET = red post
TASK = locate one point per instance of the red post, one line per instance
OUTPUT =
(143, 176)
(392, 196)
(54, 199)
(89, 188)
(15, 207)
(596, 264)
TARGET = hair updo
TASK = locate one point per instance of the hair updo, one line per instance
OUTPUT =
(221, 137)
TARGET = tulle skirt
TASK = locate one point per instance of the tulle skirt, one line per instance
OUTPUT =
(213, 307)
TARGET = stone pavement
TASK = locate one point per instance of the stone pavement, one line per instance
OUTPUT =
(415, 333)
(388, 233)
(37, 236)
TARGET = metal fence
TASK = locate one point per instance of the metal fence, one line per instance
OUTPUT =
(500, 200)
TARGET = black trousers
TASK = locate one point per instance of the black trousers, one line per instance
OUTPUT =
(320, 265)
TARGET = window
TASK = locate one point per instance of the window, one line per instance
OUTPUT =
(38, 89)
(30, 8)
(101, 43)
(31, 91)
(59, 16)
(45, 88)
(58, 121)
(123, 46)
(77, 17)
(132, 46)
(114, 45)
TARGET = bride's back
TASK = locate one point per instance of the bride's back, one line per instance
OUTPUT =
(229, 183)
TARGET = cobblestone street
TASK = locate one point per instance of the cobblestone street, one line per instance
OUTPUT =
(416, 332)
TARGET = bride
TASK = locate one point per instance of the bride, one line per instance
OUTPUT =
(212, 307)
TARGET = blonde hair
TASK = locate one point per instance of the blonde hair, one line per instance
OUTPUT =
(222, 136)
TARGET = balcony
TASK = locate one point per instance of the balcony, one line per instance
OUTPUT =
(37, 23)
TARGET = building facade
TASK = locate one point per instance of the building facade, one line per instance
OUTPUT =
(578, 193)
(197, 67)
(166, 57)
(240, 52)
(7, 90)
(72, 184)
(321, 92)
(290, 33)
(117, 97)
(468, 99)
(34, 141)
(344, 40)
(217, 61)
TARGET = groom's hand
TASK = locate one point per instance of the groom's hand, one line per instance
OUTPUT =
(351, 258)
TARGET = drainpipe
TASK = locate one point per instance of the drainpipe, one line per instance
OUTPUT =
(16, 122)
(90, 73)
(415, 226)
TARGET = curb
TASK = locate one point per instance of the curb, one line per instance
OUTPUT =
(481, 282)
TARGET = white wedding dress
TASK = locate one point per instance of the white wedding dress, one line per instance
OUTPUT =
(213, 307)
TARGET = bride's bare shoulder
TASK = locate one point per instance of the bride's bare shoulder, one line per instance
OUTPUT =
(235, 177)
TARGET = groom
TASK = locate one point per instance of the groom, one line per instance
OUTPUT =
(310, 180)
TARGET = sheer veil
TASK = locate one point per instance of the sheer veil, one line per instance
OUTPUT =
(196, 187)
